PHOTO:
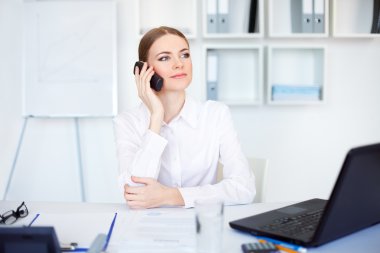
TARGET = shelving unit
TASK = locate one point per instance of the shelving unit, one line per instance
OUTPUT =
(234, 73)
(182, 15)
(296, 74)
(226, 19)
(298, 18)
(353, 19)
(233, 59)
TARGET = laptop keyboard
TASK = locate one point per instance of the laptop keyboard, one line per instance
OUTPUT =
(295, 225)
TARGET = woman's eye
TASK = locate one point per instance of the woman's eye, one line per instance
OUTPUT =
(185, 55)
(163, 58)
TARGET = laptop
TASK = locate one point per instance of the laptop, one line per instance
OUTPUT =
(354, 204)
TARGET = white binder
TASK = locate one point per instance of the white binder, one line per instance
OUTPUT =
(307, 16)
(212, 17)
(319, 16)
(212, 75)
(223, 17)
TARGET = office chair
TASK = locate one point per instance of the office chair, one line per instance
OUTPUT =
(259, 167)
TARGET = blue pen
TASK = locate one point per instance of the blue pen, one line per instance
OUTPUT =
(34, 219)
(110, 232)
(284, 244)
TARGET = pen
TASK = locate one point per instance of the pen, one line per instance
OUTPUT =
(109, 233)
(34, 219)
(283, 244)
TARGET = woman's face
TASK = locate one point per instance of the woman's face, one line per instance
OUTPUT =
(170, 58)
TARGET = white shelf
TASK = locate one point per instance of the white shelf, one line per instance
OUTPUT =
(180, 14)
(353, 19)
(296, 74)
(237, 73)
(286, 18)
(298, 67)
(236, 14)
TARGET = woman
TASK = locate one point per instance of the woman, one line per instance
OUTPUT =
(169, 146)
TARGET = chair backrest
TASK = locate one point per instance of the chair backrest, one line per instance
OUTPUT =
(259, 167)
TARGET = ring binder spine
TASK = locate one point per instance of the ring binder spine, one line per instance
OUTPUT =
(212, 16)
(212, 75)
(252, 16)
(376, 17)
(223, 16)
(307, 16)
(319, 16)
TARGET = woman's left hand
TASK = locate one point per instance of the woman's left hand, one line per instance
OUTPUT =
(152, 194)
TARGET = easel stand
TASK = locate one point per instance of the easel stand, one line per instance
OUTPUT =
(20, 141)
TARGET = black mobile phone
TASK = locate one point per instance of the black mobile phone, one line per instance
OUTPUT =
(156, 82)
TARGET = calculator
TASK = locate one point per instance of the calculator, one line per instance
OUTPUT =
(259, 247)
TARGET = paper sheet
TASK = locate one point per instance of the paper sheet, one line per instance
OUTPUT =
(164, 230)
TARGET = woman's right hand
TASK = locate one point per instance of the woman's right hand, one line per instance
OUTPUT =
(149, 97)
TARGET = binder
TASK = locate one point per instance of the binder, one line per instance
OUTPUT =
(252, 16)
(376, 17)
(296, 16)
(212, 18)
(319, 16)
(223, 19)
(212, 75)
(307, 16)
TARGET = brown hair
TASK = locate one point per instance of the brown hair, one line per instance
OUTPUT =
(152, 35)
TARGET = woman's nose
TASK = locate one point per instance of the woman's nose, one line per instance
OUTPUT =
(177, 63)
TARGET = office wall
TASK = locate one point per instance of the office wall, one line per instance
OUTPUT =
(305, 144)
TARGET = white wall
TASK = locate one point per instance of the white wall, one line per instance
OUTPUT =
(305, 144)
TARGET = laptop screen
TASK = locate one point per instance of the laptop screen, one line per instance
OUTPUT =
(354, 203)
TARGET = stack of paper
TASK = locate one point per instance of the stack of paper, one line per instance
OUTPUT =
(164, 230)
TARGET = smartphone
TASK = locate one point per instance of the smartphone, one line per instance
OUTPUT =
(156, 82)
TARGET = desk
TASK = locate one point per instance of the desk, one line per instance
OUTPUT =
(367, 240)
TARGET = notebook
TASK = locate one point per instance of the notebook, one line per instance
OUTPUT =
(354, 204)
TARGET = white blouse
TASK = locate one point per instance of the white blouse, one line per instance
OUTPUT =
(186, 153)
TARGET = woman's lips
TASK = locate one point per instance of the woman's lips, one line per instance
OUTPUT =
(179, 76)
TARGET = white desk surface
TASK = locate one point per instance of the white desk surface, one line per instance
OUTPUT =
(367, 240)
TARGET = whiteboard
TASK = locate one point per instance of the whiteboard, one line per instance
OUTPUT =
(69, 58)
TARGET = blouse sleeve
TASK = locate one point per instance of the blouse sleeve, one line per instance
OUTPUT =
(139, 151)
(238, 184)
